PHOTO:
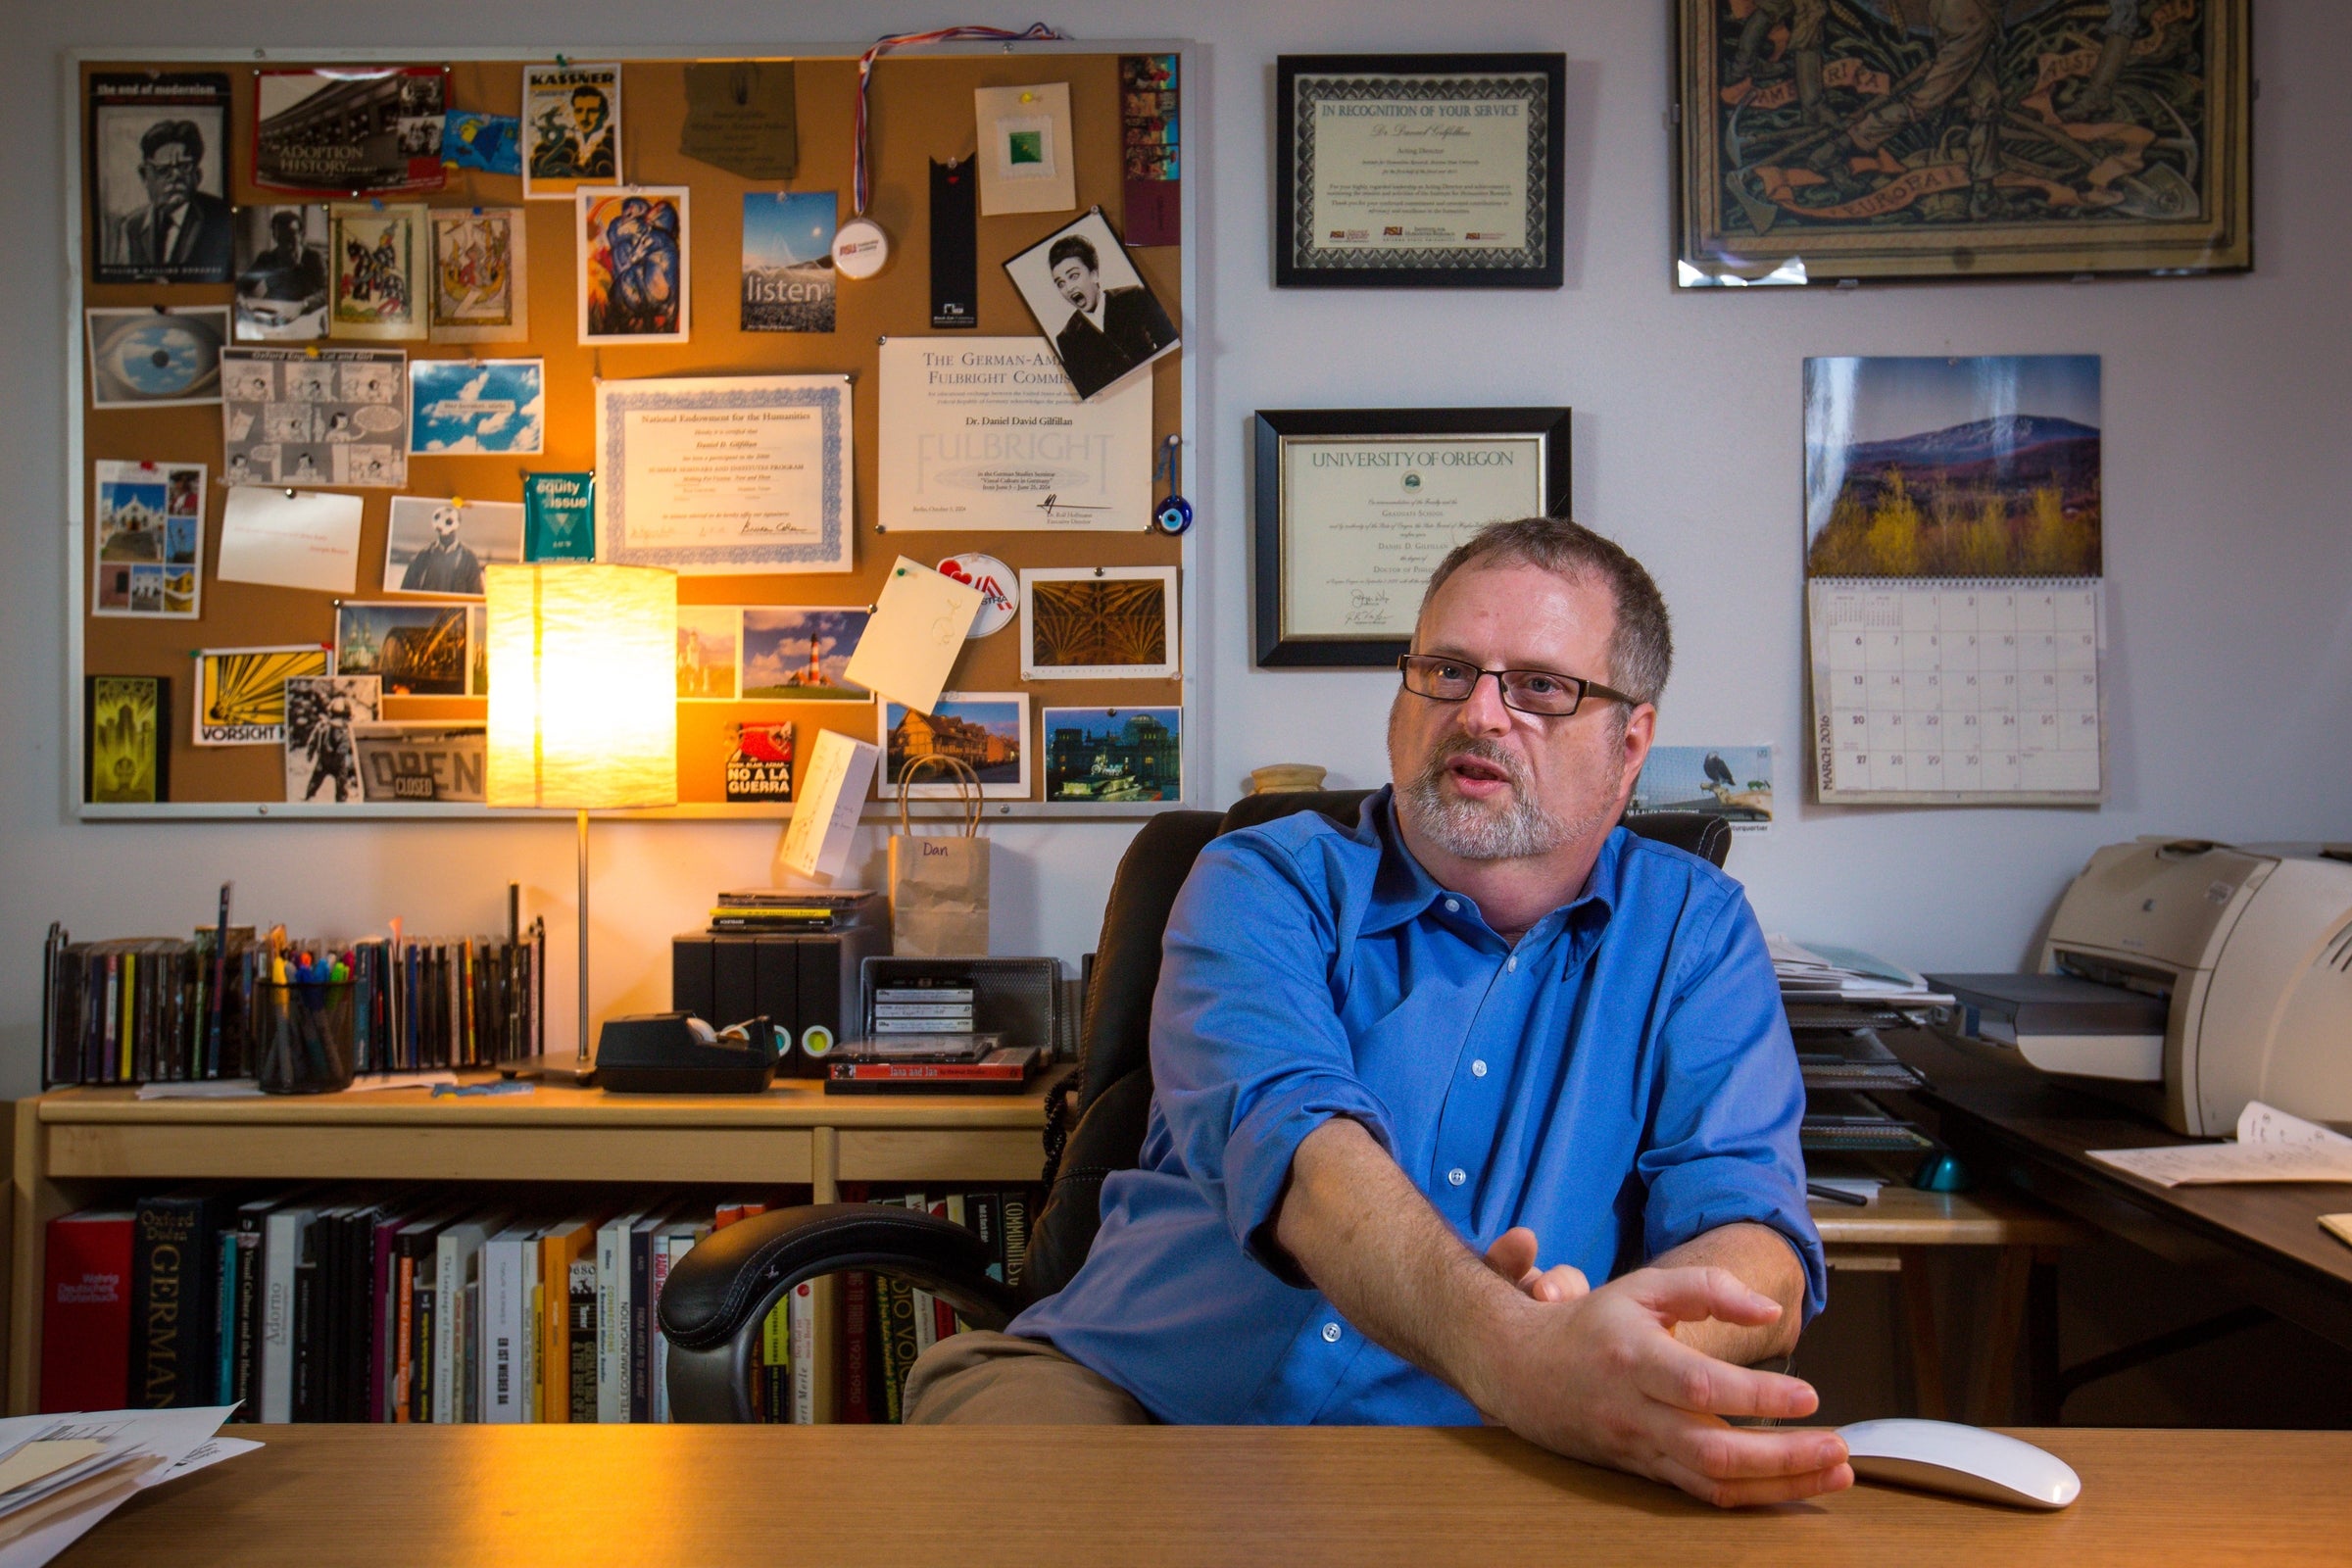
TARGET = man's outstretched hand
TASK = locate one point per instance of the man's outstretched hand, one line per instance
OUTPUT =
(1598, 1375)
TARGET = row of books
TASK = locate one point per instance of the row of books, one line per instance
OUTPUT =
(161, 1009)
(434, 1303)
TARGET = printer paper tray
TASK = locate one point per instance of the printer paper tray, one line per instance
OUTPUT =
(2121, 1059)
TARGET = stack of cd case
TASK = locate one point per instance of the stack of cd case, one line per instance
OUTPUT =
(922, 1005)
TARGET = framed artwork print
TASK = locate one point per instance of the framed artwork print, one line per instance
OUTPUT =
(1355, 508)
(1418, 170)
(1821, 140)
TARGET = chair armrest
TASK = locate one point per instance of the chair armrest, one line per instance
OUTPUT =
(718, 1294)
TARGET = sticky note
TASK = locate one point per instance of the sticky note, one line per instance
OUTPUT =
(913, 635)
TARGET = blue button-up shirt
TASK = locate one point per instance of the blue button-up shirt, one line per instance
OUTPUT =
(1620, 1080)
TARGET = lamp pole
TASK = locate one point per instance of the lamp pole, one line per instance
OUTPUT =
(583, 860)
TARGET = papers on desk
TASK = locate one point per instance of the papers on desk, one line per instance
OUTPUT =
(1817, 972)
(2272, 1147)
(247, 1089)
(59, 1475)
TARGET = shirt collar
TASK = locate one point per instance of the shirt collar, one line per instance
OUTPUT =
(1402, 888)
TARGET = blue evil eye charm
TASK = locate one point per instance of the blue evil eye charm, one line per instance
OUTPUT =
(1175, 514)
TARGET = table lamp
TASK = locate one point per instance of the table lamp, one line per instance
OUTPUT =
(583, 707)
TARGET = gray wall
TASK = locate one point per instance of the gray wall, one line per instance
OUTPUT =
(2229, 557)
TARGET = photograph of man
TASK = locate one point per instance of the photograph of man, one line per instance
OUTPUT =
(181, 230)
(1478, 1107)
(447, 565)
(281, 286)
(1083, 289)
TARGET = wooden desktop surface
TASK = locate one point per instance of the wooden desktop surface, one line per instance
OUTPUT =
(2028, 1131)
(709, 1497)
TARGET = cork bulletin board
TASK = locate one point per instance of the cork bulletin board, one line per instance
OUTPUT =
(921, 110)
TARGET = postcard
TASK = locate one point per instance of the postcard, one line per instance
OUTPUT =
(1732, 782)
(320, 710)
(314, 416)
(420, 649)
(291, 538)
(480, 275)
(911, 642)
(801, 653)
(158, 177)
(478, 650)
(147, 527)
(570, 127)
(357, 130)
(152, 357)
(759, 763)
(635, 272)
(1096, 309)
(1113, 755)
(1025, 154)
(725, 473)
(710, 652)
(241, 692)
(126, 741)
(462, 407)
(439, 545)
(559, 516)
(825, 818)
(1098, 623)
(425, 761)
(1952, 468)
(375, 252)
(987, 731)
(282, 273)
(490, 143)
(987, 434)
(788, 261)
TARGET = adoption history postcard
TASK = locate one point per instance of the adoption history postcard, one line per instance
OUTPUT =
(147, 531)
(357, 130)
(476, 407)
(314, 416)
(151, 358)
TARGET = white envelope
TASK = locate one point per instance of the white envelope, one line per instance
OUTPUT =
(291, 538)
(825, 809)
(910, 642)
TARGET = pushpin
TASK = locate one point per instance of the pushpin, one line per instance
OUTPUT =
(458, 501)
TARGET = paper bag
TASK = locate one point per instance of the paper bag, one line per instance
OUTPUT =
(938, 886)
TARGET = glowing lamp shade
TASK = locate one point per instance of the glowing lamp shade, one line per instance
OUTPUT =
(583, 685)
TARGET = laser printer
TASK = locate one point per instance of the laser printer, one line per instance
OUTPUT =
(2185, 977)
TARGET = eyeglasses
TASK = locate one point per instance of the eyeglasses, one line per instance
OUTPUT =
(1526, 691)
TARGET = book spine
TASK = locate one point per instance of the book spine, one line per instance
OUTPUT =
(585, 1390)
(168, 1355)
(857, 1304)
(404, 1326)
(659, 1395)
(901, 1346)
(423, 1389)
(86, 1313)
(245, 1371)
(776, 1363)
(308, 1356)
(281, 1252)
(804, 1353)
(467, 1337)
(611, 1274)
(1016, 1216)
(641, 1324)
(224, 1316)
(504, 1304)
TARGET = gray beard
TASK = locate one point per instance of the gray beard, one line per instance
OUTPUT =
(1473, 830)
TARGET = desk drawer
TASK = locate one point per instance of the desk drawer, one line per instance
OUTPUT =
(437, 1154)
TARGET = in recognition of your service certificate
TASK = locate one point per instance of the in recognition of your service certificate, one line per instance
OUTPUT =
(987, 435)
(724, 474)
(1365, 522)
(1415, 174)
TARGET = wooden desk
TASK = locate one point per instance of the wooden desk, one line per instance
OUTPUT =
(73, 1143)
(710, 1497)
(2017, 1127)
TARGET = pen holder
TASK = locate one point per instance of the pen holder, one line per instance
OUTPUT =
(305, 1037)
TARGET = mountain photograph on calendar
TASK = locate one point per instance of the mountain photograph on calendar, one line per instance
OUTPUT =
(1952, 468)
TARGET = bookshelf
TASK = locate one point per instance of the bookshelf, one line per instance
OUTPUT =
(73, 1144)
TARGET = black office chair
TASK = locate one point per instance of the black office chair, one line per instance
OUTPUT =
(717, 1297)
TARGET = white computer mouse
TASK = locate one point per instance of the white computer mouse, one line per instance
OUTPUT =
(1966, 1461)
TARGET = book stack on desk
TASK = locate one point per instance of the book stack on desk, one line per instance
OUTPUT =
(757, 910)
(1838, 999)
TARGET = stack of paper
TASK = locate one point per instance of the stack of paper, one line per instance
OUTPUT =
(2272, 1147)
(59, 1475)
(1817, 972)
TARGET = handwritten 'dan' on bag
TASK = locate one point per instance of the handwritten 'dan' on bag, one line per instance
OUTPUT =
(939, 885)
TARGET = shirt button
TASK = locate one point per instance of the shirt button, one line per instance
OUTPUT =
(1453, 906)
(1478, 1069)
(1456, 1176)
(1511, 962)
(1331, 1334)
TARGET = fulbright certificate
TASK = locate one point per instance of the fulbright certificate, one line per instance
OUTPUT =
(988, 435)
(712, 475)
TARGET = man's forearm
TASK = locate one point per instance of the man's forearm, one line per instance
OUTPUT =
(1369, 1240)
(1764, 1261)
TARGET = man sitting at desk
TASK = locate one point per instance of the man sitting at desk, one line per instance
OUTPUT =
(1419, 1081)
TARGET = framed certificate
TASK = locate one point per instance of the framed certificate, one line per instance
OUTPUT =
(1418, 170)
(1356, 507)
